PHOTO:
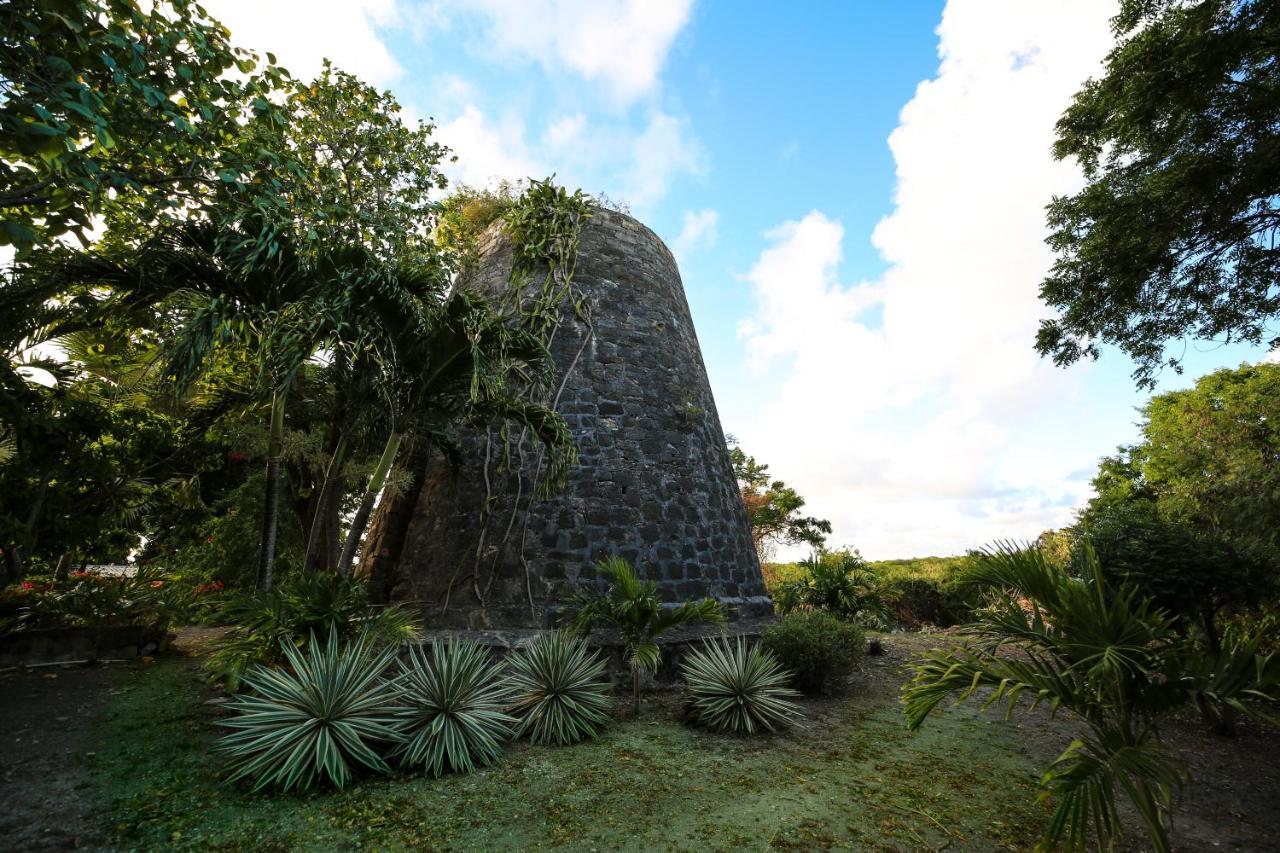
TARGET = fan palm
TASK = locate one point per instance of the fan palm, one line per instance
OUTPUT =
(633, 609)
(1101, 652)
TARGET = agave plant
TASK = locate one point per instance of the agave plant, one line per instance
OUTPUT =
(559, 691)
(734, 687)
(325, 714)
(633, 608)
(451, 711)
(1109, 656)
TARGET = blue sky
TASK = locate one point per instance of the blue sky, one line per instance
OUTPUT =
(855, 193)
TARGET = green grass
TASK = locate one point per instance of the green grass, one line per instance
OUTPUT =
(853, 777)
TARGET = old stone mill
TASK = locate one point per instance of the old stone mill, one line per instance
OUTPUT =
(653, 482)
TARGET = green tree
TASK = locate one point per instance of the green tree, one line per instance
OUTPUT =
(109, 108)
(1174, 232)
(279, 309)
(449, 362)
(773, 507)
(366, 178)
(1210, 454)
(1188, 513)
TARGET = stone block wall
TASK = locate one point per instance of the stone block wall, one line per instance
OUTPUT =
(653, 483)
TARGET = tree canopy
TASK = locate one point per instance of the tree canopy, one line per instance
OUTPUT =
(773, 507)
(1174, 233)
(112, 106)
(1188, 513)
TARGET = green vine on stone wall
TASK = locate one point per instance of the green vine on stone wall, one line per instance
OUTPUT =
(544, 224)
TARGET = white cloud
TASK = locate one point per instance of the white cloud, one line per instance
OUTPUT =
(303, 33)
(623, 44)
(629, 164)
(566, 131)
(664, 151)
(921, 389)
(487, 150)
(700, 230)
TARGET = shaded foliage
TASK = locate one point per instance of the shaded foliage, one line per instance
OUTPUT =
(1174, 233)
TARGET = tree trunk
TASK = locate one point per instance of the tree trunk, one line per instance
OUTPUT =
(380, 558)
(635, 691)
(323, 501)
(13, 558)
(361, 520)
(271, 498)
(64, 567)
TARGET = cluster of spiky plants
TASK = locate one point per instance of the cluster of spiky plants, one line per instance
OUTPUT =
(738, 688)
(452, 708)
(328, 712)
(560, 693)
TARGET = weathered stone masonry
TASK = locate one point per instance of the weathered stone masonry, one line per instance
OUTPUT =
(654, 483)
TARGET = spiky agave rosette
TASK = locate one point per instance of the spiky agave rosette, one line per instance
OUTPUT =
(315, 720)
(452, 708)
(738, 688)
(560, 693)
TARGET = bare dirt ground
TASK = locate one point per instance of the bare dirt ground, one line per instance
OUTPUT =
(1232, 801)
(46, 718)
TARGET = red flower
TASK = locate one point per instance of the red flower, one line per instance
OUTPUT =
(157, 584)
(28, 586)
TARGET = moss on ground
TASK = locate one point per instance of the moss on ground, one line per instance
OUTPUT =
(851, 777)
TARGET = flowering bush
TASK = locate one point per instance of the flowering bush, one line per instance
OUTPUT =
(88, 598)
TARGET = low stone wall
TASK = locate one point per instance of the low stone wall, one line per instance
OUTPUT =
(57, 645)
(675, 644)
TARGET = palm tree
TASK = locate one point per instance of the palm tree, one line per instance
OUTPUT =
(1108, 656)
(632, 607)
(456, 359)
(216, 288)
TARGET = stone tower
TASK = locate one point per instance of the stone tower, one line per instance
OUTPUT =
(653, 483)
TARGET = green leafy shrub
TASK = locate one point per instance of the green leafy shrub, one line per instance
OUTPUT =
(301, 605)
(633, 608)
(1111, 657)
(738, 688)
(560, 694)
(841, 583)
(451, 714)
(817, 648)
(91, 599)
(921, 601)
(331, 710)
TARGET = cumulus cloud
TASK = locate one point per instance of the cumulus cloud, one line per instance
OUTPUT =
(303, 33)
(635, 165)
(621, 44)
(921, 389)
(488, 150)
(700, 229)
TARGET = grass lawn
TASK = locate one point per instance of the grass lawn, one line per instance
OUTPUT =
(851, 777)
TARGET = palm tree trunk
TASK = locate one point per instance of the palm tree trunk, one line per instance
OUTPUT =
(635, 691)
(271, 498)
(323, 501)
(389, 528)
(361, 520)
